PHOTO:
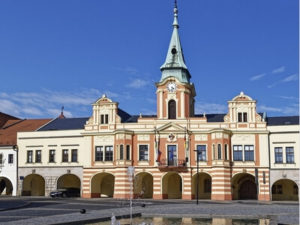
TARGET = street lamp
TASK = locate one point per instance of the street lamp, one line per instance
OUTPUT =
(197, 185)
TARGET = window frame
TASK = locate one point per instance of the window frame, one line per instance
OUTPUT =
(38, 156)
(121, 152)
(240, 153)
(276, 156)
(219, 155)
(289, 156)
(99, 155)
(109, 153)
(29, 156)
(144, 159)
(65, 157)
(128, 152)
(74, 155)
(247, 153)
(199, 153)
(10, 159)
(51, 156)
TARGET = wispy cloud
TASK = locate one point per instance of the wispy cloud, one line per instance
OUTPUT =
(129, 70)
(48, 103)
(138, 83)
(257, 77)
(204, 107)
(287, 110)
(289, 78)
(279, 70)
(289, 98)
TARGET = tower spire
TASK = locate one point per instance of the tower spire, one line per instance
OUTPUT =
(174, 64)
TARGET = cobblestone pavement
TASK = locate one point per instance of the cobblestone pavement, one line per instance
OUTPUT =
(67, 211)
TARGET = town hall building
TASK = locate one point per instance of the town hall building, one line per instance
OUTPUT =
(242, 154)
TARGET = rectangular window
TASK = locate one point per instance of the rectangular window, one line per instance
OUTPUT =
(1, 159)
(219, 152)
(143, 152)
(108, 153)
(289, 154)
(10, 158)
(51, 156)
(201, 150)
(240, 117)
(65, 155)
(104, 119)
(74, 155)
(238, 153)
(226, 154)
(38, 156)
(127, 152)
(29, 156)
(244, 117)
(278, 155)
(99, 153)
(249, 152)
(121, 152)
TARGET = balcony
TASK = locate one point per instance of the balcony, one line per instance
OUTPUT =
(172, 165)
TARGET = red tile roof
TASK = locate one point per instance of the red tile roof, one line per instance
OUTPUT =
(8, 133)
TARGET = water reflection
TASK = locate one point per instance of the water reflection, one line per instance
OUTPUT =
(189, 221)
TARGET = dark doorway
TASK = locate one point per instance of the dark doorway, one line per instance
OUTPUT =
(172, 109)
(248, 190)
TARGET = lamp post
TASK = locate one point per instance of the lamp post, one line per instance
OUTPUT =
(197, 185)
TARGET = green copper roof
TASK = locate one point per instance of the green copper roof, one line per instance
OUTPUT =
(174, 65)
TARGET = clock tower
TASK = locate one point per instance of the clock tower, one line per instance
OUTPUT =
(175, 92)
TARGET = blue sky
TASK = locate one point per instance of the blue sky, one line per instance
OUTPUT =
(69, 52)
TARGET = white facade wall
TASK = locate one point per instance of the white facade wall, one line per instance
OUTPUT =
(9, 170)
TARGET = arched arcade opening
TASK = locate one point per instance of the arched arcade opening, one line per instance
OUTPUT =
(172, 186)
(33, 185)
(143, 185)
(6, 187)
(285, 190)
(243, 187)
(204, 186)
(102, 185)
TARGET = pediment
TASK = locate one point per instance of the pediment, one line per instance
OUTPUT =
(171, 127)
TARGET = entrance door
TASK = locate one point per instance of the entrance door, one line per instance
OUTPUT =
(172, 155)
(248, 190)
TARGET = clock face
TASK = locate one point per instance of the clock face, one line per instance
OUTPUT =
(171, 87)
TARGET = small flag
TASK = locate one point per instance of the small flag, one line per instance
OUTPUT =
(158, 153)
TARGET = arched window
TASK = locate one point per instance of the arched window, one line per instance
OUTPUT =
(121, 152)
(219, 152)
(172, 109)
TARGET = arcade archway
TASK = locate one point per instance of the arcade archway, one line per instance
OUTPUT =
(6, 187)
(172, 186)
(68, 181)
(244, 187)
(102, 185)
(204, 186)
(143, 185)
(33, 185)
(285, 189)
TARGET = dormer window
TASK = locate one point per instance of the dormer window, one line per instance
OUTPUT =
(242, 117)
(104, 118)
